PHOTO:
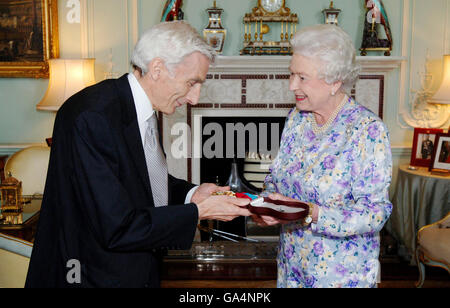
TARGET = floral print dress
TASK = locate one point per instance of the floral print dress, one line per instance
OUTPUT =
(347, 172)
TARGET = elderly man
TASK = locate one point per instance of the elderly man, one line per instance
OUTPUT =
(110, 208)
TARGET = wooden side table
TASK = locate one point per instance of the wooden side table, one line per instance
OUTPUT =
(29, 218)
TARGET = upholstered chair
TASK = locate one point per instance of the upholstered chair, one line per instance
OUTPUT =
(15, 256)
(433, 247)
(30, 167)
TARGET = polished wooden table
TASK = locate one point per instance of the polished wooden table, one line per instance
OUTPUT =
(28, 220)
(221, 265)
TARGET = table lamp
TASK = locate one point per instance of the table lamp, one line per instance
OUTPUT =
(67, 77)
(442, 96)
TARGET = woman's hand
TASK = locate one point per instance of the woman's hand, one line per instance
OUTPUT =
(263, 220)
(277, 196)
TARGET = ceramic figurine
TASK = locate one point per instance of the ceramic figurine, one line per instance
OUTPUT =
(376, 14)
(172, 11)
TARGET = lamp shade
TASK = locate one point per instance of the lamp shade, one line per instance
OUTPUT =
(67, 77)
(442, 96)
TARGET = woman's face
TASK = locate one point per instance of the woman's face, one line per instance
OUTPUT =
(311, 93)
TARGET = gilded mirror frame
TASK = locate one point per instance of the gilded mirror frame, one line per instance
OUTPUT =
(23, 55)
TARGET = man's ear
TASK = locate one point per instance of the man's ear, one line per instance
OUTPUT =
(156, 67)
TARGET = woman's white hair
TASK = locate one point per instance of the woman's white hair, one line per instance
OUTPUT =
(334, 50)
(170, 41)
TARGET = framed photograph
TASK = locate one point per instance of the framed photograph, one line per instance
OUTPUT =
(423, 146)
(28, 37)
(441, 154)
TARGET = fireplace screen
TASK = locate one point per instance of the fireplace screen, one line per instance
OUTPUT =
(250, 143)
(250, 140)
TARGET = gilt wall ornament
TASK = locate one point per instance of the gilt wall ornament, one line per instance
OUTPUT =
(423, 114)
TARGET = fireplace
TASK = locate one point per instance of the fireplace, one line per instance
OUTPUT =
(245, 90)
(239, 148)
(243, 131)
(247, 139)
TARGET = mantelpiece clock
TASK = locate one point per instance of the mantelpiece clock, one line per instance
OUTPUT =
(256, 25)
(272, 6)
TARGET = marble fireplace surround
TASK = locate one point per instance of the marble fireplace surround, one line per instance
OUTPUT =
(257, 86)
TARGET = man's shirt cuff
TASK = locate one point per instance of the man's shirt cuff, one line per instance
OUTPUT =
(190, 194)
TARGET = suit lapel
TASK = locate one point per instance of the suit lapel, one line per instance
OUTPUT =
(131, 132)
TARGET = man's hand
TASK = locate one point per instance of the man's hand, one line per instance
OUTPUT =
(222, 208)
(204, 191)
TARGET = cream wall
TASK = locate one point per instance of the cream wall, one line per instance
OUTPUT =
(418, 26)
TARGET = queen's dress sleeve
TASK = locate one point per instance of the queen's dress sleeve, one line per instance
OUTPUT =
(367, 207)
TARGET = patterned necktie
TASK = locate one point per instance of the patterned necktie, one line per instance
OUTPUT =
(156, 163)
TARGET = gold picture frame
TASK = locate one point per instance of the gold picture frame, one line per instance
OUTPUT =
(28, 37)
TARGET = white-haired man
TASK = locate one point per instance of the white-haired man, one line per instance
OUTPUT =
(104, 220)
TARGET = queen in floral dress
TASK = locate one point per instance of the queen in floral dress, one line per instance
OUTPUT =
(335, 155)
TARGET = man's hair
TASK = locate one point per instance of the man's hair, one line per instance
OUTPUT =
(171, 42)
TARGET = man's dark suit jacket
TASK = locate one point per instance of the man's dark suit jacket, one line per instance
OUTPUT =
(98, 205)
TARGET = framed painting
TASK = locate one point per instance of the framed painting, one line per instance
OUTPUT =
(440, 161)
(28, 37)
(423, 145)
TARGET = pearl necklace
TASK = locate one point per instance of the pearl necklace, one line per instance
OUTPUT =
(318, 130)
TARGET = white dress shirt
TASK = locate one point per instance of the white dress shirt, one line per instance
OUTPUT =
(144, 111)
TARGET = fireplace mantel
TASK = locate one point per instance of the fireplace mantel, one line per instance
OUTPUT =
(259, 86)
(267, 64)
